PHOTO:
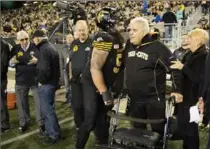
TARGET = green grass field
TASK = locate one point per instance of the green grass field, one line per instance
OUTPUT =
(68, 129)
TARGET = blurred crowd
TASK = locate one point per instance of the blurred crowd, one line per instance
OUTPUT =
(29, 18)
(43, 15)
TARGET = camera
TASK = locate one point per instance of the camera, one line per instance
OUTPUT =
(72, 10)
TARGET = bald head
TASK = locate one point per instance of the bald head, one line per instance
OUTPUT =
(81, 23)
(82, 30)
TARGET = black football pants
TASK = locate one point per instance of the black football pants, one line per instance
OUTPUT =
(95, 116)
(77, 103)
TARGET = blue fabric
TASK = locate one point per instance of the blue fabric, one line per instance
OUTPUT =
(157, 19)
(47, 98)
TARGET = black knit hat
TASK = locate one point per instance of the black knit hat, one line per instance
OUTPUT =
(39, 33)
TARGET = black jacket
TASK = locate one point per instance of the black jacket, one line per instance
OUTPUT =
(193, 76)
(5, 53)
(25, 74)
(206, 85)
(146, 68)
(48, 66)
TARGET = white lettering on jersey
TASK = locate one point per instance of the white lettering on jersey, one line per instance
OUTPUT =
(131, 54)
(138, 54)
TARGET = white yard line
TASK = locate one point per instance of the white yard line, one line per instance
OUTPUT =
(30, 133)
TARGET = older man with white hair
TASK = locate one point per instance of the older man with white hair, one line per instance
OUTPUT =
(147, 61)
(24, 58)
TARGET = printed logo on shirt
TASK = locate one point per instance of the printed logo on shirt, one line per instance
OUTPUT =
(75, 48)
(138, 54)
(116, 46)
(32, 53)
(19, 54)
(87, 49)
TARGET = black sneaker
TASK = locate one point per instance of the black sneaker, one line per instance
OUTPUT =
(22, 128)
(3, 130)
(49, 141)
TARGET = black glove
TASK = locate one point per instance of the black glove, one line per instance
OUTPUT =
(107, 97)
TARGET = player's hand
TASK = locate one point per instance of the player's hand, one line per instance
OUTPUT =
(108, 100)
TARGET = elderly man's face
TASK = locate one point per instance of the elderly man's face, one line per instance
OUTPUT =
(82, 31)
(24, 41)
(136, 33)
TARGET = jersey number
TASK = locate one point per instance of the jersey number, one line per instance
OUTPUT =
(118, 63)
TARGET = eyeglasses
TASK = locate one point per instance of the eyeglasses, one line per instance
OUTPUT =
(24, 39)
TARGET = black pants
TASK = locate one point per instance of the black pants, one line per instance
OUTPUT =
(95, 116)
(4, 109)
(188, 131)
(147, 108)
(77, 103)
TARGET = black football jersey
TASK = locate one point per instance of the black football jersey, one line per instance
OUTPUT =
(111, 43)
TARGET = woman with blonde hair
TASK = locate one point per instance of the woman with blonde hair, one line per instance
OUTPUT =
(192, 69)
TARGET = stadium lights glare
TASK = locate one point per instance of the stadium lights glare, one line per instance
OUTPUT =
(35, 2)
(25, 4)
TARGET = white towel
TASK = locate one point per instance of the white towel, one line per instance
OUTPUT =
(194, 115)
